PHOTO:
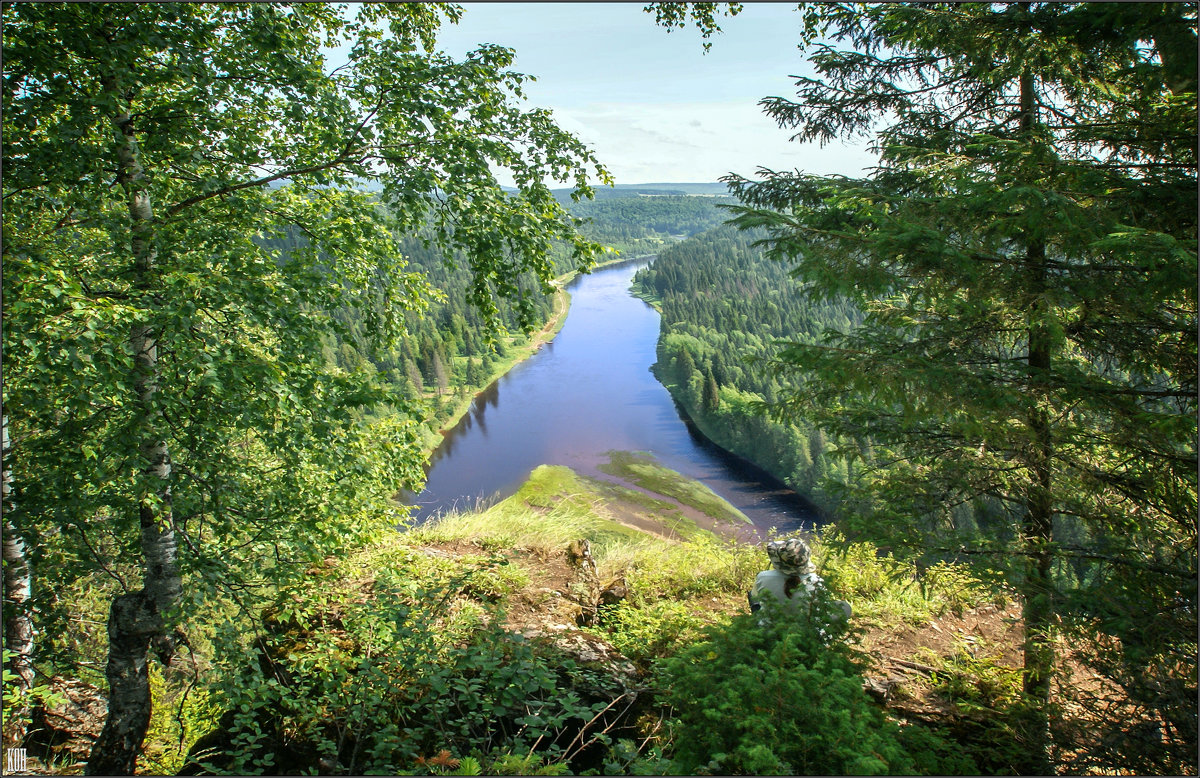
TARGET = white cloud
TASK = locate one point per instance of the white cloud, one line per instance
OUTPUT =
(698, 141)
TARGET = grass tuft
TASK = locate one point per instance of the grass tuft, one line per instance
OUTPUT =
(642, 470)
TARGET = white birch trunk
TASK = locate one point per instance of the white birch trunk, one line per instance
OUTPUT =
(18, 587)
(136, 619)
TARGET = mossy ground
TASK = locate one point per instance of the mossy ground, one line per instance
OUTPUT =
(640, 469)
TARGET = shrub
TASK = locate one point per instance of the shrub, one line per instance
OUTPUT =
(496, 580)
(648, 632)
(882, 586)
(181, 712)
(407, 681)
(989, 711)
(952, 586)
(780, 692)
(856, 569)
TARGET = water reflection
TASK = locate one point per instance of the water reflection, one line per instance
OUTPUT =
(588, 392)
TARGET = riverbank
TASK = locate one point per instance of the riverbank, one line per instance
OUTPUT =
(719, 428)
(719, 431)
(519, 348)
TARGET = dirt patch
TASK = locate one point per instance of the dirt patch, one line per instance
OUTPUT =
(904, 662)
(987, 626)
(546, 603)
(902, 659)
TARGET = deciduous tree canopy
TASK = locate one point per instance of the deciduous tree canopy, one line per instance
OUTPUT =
(172, 422)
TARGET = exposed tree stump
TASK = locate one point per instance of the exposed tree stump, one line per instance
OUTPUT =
(579, 557)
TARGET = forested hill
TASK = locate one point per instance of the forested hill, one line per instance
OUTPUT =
(626, 190)
(445, 355)
(640, 223)
(725, 310)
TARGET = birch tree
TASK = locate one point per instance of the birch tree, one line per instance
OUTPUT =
(172, 426)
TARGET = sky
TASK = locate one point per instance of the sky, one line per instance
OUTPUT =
(651, 104)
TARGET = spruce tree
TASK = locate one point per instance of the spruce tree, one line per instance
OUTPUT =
(1026, 255)
(712, 395)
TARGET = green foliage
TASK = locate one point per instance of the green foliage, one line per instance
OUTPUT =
(975, 679)
(880, 586)
(646, 224)
(703, 566)
(627, 758)
(199, 292)
(18, 701)
(497, 580)
(861, 572)
(386, 686)
(989, 708)
(703, 15)
(957, 588)
(780, 692)
(649, 631)
(529, 764)
(182, 711)
(725, 310)
(1023, 384)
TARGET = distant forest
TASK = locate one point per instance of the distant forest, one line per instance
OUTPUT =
(446, 351)
(726, 309)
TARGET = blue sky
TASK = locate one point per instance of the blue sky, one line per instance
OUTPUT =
(651, 103)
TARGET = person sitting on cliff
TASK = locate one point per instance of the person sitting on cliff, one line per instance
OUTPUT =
(791, 579)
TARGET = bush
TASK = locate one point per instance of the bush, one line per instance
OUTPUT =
(780, 692)
(882, 586)
(953, 587)
(856, 569)
(180, 713)
(989, 712)
(397, 684)
(648, 632)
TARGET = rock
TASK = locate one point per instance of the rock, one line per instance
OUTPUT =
(614, 592)
(68, 726)
(589, 649)
(569, 611)
(879, 688)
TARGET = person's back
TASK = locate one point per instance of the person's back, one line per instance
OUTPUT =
(784, 588)
(791, 579)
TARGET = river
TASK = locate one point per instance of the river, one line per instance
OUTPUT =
(590, 391)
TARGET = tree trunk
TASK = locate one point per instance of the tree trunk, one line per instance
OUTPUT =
(1037, 531)
(18, 624)
(1037, 535)
(137, 619)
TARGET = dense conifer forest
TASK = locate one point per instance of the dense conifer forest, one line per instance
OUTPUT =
(726, 311)
(243, 289)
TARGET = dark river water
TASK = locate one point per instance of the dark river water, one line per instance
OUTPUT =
(587, 392)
